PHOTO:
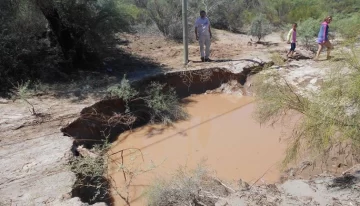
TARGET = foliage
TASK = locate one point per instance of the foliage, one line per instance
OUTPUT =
(21, 90)
(123, 90)
(347, 25)
(35, 46)
(260, 27)
(277, 59)
(163, 103)
(228, 16)
(308, 31)
(167, 16)
(329, 117)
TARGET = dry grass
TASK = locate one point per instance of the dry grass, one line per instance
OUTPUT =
(195, 187)
(329, 118)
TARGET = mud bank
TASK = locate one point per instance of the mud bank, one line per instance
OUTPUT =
(321, 190)
(93, 126)
(89, 128)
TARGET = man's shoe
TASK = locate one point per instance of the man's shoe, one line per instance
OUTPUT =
(202, 59)
(208, 60)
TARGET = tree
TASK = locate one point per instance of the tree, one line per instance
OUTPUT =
(308, 31)
(260, 27)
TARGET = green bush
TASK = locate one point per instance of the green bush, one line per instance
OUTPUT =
(260, 27)
(167, 16)
(163, 103)
(329, 118)
(308, 31)
(348, 26)
(123, 90)
(228, 16)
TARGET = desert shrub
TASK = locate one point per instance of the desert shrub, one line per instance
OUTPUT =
(277, 59)
(330, 117)
(228, 16)
(260, 27)
(347, 26)
(167, 16)
(163, 103)
(307, 31)
(124, 90)
(196, 187)
(302, 10)
(91, 170)
(343, 6)
(22, 91)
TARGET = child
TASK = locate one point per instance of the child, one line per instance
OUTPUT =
(291, 39)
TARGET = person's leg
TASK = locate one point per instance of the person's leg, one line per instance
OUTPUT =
(201, 44)
(207, 50)
(291, 51)
(318, 52)
(329, 48)
(293, 46)
(287, 55)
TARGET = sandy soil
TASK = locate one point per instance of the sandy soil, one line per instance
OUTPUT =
(226, 47)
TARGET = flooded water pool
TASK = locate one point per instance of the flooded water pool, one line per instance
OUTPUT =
(220, 130)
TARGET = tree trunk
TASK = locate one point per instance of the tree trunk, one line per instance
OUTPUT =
(62, 33)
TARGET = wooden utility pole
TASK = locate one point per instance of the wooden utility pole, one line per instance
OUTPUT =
(185, 31)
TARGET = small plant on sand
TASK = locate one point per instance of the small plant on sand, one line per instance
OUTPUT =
(329, 117)
(22, 91)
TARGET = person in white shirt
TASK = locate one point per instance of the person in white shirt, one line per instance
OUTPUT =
(203, 35)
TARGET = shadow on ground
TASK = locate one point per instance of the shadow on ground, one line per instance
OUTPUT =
(85, 83)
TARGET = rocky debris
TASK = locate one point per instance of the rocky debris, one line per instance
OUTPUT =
(323, 190)
(85, 152)
(232, 87)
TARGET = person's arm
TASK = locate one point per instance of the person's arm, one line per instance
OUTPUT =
(196, 34)
(289, 36)
(210, 29)
(327, 33)
(196, 30)
(324, 27)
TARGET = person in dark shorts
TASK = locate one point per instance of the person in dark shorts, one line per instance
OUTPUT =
(291, 39)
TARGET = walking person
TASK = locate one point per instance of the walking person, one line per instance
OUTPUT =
(323, 38)
(291, 39)
(203, 35)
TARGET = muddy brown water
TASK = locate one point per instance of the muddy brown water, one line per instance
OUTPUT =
(220, 131)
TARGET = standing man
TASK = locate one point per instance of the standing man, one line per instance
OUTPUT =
(203, 35)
